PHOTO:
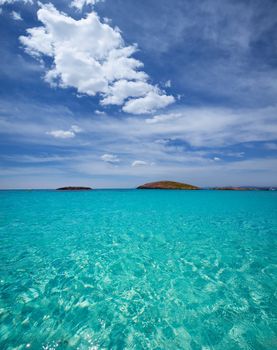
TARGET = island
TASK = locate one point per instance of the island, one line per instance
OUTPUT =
(74, 188)
(231, 188)
(167, 185)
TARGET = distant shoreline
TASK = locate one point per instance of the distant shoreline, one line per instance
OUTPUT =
(251, 189)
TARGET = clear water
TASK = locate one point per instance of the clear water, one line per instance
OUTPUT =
(138, 270)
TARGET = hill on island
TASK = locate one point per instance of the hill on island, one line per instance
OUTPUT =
(167, 185)
(74, 188)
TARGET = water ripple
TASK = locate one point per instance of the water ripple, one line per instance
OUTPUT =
(138, 270)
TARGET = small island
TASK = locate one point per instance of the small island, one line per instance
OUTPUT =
(167, 185)
(230, 188)
(74, 188)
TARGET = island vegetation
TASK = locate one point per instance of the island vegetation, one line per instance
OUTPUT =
(167, 185)
(74, 188)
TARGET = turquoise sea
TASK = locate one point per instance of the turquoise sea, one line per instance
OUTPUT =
(134, 269)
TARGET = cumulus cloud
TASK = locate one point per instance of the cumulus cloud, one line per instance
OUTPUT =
(92, 57)
(16, 16)
(137, 163)
(150, 103)
(65, 134)
(110, 158)
(122, 89)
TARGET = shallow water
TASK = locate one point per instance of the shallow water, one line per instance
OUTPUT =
(138, 270)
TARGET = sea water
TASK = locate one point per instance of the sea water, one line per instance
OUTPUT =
(138, 269)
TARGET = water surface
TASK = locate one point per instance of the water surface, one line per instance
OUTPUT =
(138, 270)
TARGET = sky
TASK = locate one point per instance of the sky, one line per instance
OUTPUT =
(116, 93)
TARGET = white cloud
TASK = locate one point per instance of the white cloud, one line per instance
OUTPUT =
(79, 4)
(210, 131)
(217, 159)
(139, 163)
(16, 16)
(62, 134)
(149, 103)
(110, 158)
(255, 172)
(210, 127)
(100, 112)
(168, 84)
(3, 2)
(207, 127)
(92, 57)
(163, 118)
(65, 134)
(122, 89)
(76, 128)
(34, 45)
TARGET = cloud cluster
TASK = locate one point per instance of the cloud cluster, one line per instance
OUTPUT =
(4, 2)
(92, 57)
(205, 146)
(201, 127)
(205, 43)
(138, 163)
(65, 134)
(215, 127)
(110, 158)
(163, 118)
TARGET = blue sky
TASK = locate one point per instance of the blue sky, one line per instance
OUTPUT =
(116, 93)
